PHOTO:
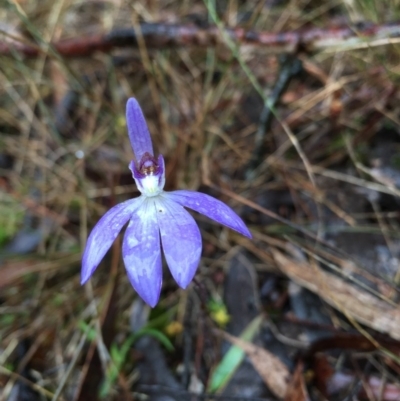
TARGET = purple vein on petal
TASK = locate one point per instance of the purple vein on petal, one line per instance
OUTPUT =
(181, 240)
(104, 234)
(210, 207)
(142, 253)
(138, 131)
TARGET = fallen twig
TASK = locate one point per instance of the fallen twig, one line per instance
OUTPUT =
(290, 67)
(159, 35)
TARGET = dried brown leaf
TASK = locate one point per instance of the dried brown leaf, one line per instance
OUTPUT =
(297, 390)
(272, 370)
(355, 303)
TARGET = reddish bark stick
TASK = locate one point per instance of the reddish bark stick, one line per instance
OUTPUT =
(161, 35)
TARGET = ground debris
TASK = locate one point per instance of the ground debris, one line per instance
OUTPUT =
(356, 304)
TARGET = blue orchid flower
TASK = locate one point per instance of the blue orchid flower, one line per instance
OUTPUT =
(156, 219)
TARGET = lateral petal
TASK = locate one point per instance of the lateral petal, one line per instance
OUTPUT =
(181, 240)
(104, 234)
(210, 207)
(139, 134)
(142, 253)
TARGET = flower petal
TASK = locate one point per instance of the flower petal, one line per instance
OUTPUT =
(181, 240)
(142, 253)
(104, 234)
(139, 134)
(210, 207)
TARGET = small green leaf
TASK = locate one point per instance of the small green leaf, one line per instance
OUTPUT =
(89, 331)
(118, 356)
(158, 335)
(232, 359)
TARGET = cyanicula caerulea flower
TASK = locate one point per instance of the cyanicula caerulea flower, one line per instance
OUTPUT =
(155, 218)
